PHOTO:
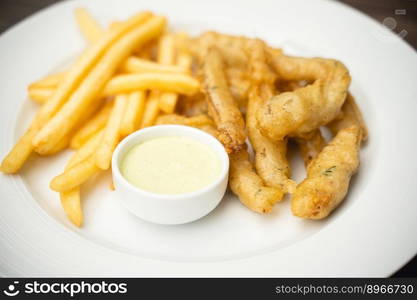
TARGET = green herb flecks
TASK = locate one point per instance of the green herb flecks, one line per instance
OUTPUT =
(329, 171)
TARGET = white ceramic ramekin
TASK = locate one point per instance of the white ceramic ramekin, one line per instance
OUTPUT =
(169, 209)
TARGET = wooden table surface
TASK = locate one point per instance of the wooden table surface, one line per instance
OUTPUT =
(404, 13)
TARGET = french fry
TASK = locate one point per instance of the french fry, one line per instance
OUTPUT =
(74, 176)
(177, 83)
(88, 26)
(71, 203)
(92, 126)
(49, 81)
(111, 133)
(67, 117)
(135, 107)
(71, 200)
(138, 65)
(20, 152)
(87, 148)
(151, 109)
(25, 146)
(63, 144)
(40, 95)
(168, 101)
(166, 50)
(166, 56)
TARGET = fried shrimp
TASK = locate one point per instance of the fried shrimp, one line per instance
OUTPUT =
(270, 156)
(328, 176)
(231, 47)
(222, 107)
(309, 144)
(305, 109)
(248, 186)
(350, 115)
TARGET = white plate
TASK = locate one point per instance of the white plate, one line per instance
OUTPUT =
(371, 234)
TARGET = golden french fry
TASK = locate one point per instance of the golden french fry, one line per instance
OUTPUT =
(74, 176)
(133, 113)
(65, 120)
(71, 203)
(111, 133)
(87, 148)
(71, 200)
(166, 55)
(92, 126)
(88, 26)
(49, 81)
(166, 50)
(151, 109)
(138, 65)
(20, 152)
(178, 83)
(63, 144)
(40, 95)
(24, 147)
(168, 101)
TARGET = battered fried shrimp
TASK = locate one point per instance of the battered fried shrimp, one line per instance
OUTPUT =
(195, 121)
(221, 105)
(350, 115)
(231, 47)
(305, 109)
(248, 186)
(270, 156)
(328, 176)
(310, 146)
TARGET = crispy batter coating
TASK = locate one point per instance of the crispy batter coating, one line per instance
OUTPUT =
(328, 176)
(231, 47)
(270, 156)
(305, 109)
(350, 115)
(248, 186)
(221, 105)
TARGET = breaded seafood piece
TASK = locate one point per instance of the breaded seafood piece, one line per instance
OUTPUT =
(270, 156)
(328, 176)
(222, 107)
(248, 185)
(301, 111)
(350, 115)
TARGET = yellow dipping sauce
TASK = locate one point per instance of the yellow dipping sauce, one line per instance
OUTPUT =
(171, 165)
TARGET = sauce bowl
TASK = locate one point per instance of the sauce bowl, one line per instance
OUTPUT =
(169, 209)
